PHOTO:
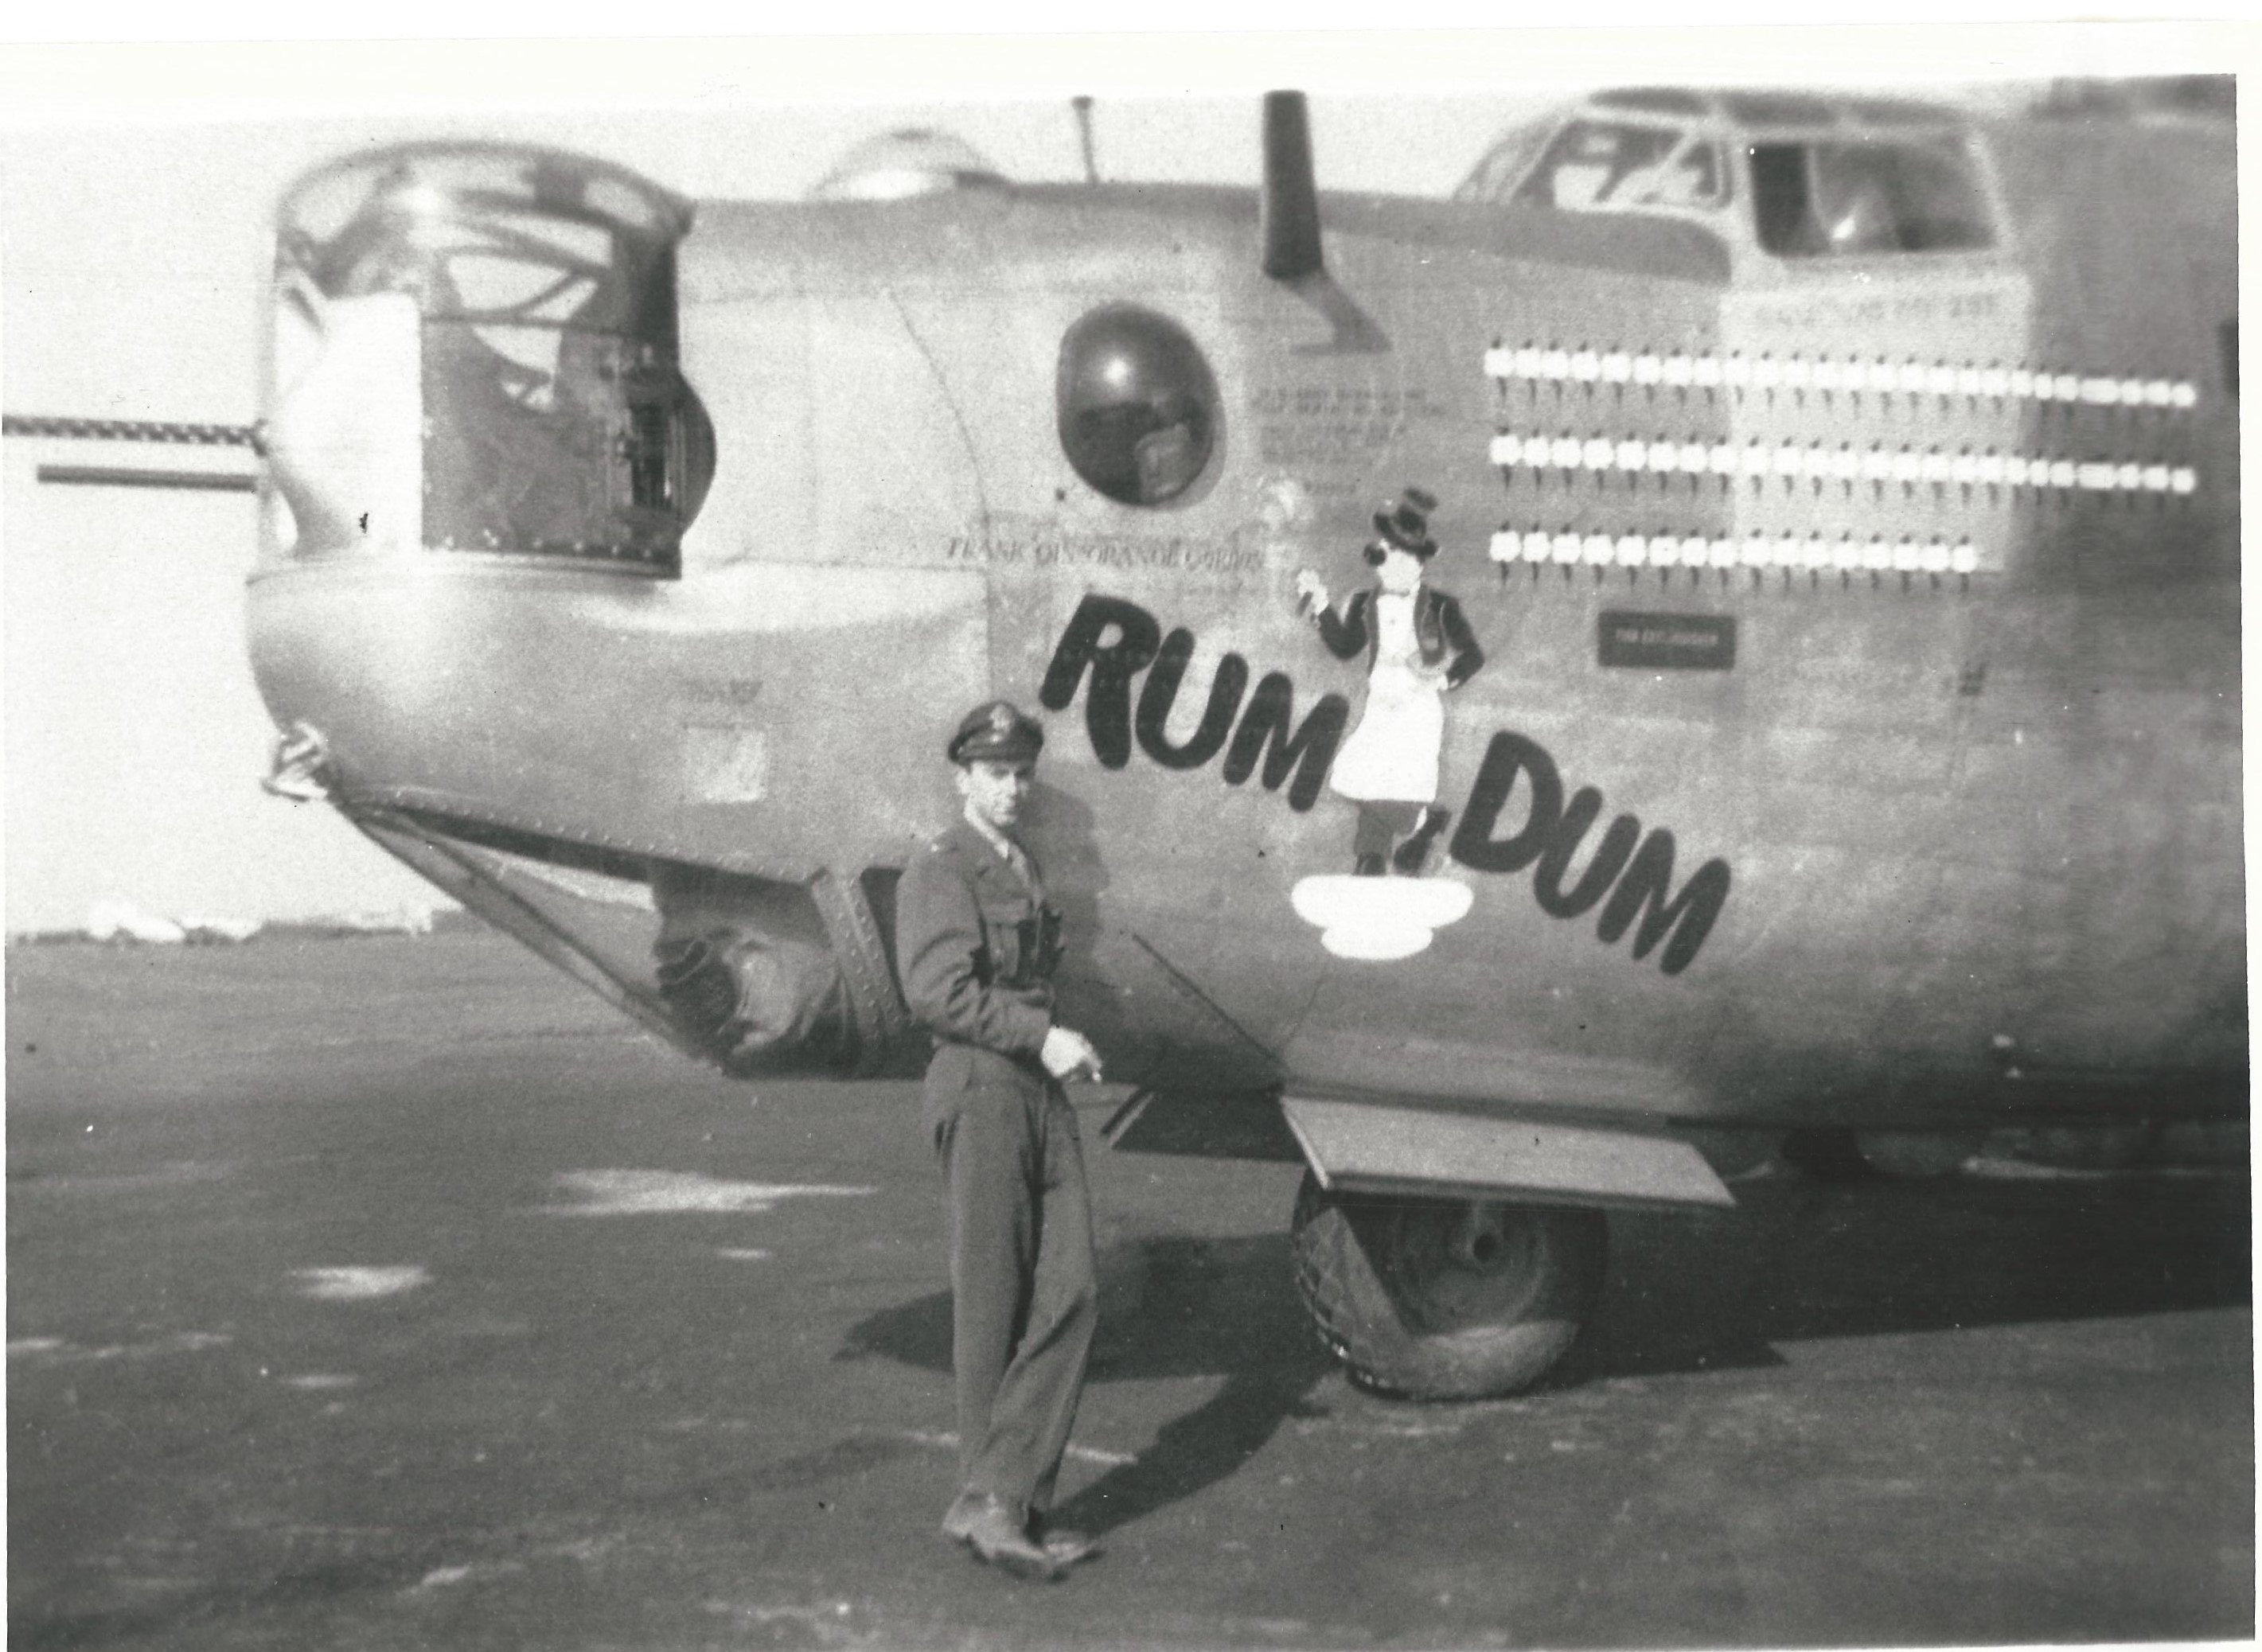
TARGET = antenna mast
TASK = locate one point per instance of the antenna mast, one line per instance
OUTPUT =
(1082, 104)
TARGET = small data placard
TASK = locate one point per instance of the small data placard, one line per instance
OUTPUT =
(1668, 641)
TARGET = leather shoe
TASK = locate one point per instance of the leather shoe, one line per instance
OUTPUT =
(1065, 1544)
(999, 1534)
(959, 1521)
(1415, 850)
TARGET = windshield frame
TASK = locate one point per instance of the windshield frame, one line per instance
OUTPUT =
(1680, 141)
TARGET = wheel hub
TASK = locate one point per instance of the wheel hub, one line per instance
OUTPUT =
(1480, 1241)
(1465, 1264)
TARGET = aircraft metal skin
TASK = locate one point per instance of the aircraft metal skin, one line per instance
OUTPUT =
(1914, 802)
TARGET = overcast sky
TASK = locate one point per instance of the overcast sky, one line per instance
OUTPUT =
(135, 186)
(135, 183)
(133, 249)
(134, 252)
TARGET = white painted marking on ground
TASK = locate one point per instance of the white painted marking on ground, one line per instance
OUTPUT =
(835, 1624)
(738, 1254)
(159, 1584)
(672, 1192)
(1357, 1425)
(585, 1550)
(1993, 1167)
(169, 1175)
(1081, 1453)
(316, 1382)
(330, 1531)
(60, 1351)
(445, 1576)
(1416, 1430)
(358, 1284)
(1280, 1628)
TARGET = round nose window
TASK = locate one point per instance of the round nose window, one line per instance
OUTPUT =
(1138, 405)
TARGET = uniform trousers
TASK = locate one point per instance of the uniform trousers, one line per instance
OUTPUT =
(1023, 1291)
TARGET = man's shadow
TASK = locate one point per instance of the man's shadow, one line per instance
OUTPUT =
(1802, 1259)
(1169, 1307)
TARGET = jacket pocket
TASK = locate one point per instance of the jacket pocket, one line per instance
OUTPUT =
(1002, 939)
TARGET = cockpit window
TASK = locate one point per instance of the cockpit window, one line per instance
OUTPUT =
(1495, 178)
(1606, 166)
(1817, 200)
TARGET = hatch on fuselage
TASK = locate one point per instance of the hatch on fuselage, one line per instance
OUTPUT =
(906, 163)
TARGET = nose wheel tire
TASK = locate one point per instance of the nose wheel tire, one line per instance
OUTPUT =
(1445, 1298)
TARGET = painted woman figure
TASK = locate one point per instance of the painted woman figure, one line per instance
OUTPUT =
(1418, 647)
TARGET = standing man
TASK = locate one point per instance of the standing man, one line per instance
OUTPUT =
(978, 945)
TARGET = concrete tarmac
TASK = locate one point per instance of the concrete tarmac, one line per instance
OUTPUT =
(394, 1293)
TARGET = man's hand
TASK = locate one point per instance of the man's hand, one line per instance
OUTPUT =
(1066, 1054)
(1311, 594)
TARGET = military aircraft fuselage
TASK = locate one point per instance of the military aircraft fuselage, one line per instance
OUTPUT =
(1857, 734)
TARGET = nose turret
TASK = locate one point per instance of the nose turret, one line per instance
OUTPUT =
(475, 349)
(472, 617)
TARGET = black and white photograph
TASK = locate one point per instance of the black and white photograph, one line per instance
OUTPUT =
(1394, 840)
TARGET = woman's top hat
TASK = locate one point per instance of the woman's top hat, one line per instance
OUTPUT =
(1404, 523)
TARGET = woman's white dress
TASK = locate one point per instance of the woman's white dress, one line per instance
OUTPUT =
(1392, 755)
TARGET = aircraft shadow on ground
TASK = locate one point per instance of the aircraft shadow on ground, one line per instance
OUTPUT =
(1799, 1260)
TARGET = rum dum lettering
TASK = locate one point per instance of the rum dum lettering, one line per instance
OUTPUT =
(1108, 642)
(1114, 641)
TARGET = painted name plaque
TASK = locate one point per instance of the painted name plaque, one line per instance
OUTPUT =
(1668, 641)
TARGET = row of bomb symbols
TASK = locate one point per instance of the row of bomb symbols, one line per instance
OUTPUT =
(1976, 475)
(1753, 558)
(1855, 382)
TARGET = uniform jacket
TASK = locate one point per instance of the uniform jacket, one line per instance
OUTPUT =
(977, 946)
(1440, 629)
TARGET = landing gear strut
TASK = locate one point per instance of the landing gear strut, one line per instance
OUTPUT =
(1443, 1298)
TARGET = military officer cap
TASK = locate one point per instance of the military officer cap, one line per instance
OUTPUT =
(996, 730)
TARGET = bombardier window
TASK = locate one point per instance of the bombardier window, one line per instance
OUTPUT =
(1845, 200)
(1602, 165)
